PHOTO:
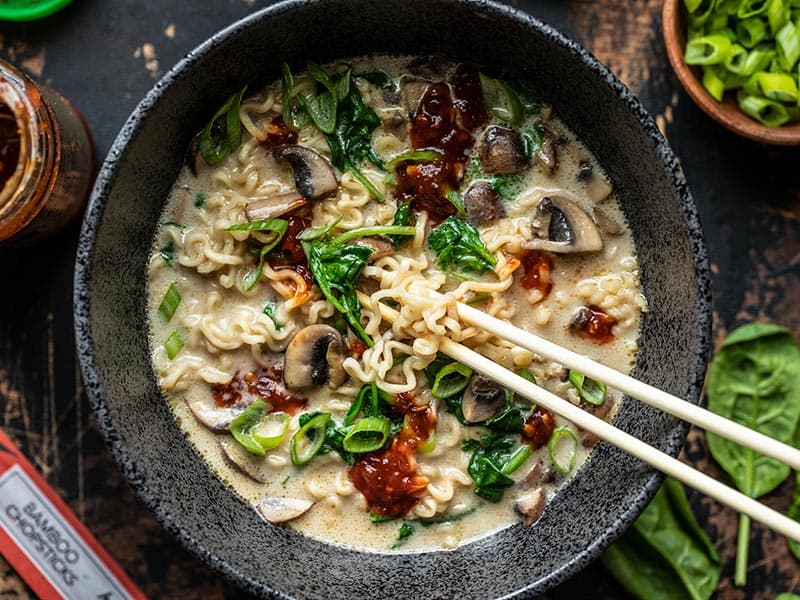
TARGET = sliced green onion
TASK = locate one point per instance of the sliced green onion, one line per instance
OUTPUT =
(713, 83)
(428, 444)
(787, 42)
(367, 435)
(751, 32)
(594, 392)
(736, 59)
(243, 425)
(752, 8)
(773, 86)
(369, 399)
(727, 7)
(307, 441)
(319, 74)
(516, 460)
(414, 155)
(707, 50)
(699, 10)
(768, 112)
(361, 232)
(563, 449)
(223, 133)
(270, 430)
(174, 344)
(756, 60)
(478, 297)
(170, 302)
(502, 101)
(450, 380)
(454, 199)
(777, 15)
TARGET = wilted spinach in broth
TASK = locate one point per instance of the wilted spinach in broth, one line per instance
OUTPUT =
(409, 182)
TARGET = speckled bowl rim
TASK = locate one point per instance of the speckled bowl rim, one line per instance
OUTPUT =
(93, 218)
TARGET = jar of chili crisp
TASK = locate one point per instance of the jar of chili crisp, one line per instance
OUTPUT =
(47, 159)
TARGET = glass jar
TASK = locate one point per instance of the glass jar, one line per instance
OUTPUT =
(47, 159)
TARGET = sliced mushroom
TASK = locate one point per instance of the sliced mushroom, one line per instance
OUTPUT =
(209, 415)
(280, 510)
(274, 206)
(530, 507)
(314, 357)
(598, 188)
(313, 175)
(560, 225)
(483, 204)
(396, 124)
(547, 156)
(241, 459)
(412, 89)
(380, 246)
(606, 223)
(482, 400)
(502, 151)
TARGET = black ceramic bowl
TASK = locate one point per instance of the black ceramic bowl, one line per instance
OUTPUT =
(605, 496)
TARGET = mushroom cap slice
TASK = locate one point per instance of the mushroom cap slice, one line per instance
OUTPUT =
(412, 88)
(209, 415)
(274, 206)
(502, 151)
(380, 246)
(314, 357)
(547, 156)
(530, 506)
(313, 175)
(241, 459)
(562, 226)
(280, 510)
(482, 400)
(483, 204)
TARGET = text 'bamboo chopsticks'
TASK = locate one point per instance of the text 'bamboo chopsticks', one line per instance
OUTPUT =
(603, 430)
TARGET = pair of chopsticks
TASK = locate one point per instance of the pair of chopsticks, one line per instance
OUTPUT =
(604, 430)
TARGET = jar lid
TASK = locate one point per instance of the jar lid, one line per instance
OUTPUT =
(29, 10)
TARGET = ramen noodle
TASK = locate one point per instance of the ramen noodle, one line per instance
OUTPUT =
(309, 206)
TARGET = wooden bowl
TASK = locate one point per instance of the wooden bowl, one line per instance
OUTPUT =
(727, 112)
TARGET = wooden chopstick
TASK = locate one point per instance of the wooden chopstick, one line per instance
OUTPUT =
(648, 394)
(605, 431)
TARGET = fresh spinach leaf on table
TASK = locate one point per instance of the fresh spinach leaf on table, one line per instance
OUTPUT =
(665, 555)
(754, 380)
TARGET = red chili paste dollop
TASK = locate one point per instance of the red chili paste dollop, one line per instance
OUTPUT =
(538, 427)
(591, 323)
(388, 479)
(278, 133)
(265, 383)
(538, 266)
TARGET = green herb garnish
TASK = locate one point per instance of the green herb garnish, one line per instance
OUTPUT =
(459, 248)
(169, 304)
(174, 344)
(223, 133)
(269, 310)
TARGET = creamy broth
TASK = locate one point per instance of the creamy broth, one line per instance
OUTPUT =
(588, 301)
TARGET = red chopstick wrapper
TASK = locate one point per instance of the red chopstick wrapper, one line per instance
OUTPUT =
(45, 542)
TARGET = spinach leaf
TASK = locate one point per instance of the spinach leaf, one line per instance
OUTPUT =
(351, 139)
(223, 133)
(459, 248)
(494, 458)
(269, 310)
(754, 380)
(380, 79)
(787, 596)
(794, 513)
(665, 555)
(402, 218)
(507, 186)
(335, 269)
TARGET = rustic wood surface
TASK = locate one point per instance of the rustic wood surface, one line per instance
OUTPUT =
(105, 54)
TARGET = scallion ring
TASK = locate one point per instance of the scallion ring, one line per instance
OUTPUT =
(593, 392)
(367, 435)
(271, 430)
(307, 441)
(563, 449)
(450, 380)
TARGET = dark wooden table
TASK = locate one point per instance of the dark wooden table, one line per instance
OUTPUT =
(105, 54)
